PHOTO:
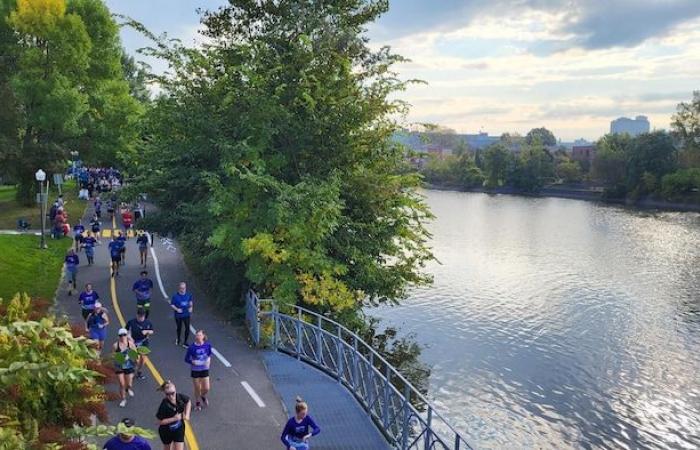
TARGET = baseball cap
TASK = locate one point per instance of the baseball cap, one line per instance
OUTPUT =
(98, 305)
(122, 332)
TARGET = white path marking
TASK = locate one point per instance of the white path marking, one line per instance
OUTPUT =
(160, 281)
(254, 395)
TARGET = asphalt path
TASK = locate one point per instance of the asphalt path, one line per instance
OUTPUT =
(245, 411)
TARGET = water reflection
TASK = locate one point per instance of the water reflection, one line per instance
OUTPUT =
(561, 324)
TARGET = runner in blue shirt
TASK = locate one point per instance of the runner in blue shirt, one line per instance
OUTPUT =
(181, 303)
(141, 329)
(98, 207)
(96, 325)
(124, 441)
(299, 428)
(72, 262)
(89, 243)
(121, 237)
(78, 230)
(142, 288)
(198, 356)
(142, 242)
(87, 300)
(115, 254)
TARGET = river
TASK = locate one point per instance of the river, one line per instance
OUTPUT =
(556, 323)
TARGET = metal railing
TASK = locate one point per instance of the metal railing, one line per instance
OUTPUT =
(400, 411)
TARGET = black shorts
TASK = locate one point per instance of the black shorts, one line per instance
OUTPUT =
(168, 436)
(128, 371)
(117, 258)
(123, 250)
(79, 238)
(85, 313)
(200, 374)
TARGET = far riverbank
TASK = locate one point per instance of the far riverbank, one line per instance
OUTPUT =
(576, 193)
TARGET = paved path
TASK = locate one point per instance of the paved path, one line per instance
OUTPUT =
(344, 425)
(245, 410)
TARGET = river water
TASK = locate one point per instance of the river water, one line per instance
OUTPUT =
(557, 323)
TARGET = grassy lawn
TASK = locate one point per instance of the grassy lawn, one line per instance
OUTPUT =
(24, 267)
(10, 210)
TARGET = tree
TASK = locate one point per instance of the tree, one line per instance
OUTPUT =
(652, 156)
(610, 163)
(686, 128)
(569, 171)
(496, 160)
(542, 136)
(532, 168)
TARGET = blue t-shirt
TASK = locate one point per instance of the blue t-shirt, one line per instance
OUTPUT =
(198, 355)
(88, 299)
(143, 288)
(115, 248)
(89, 242)
(182, 301)
(138, 443)
(78, 229)
(297, 430)
(121, 238)
(96, 322)
(72, 262)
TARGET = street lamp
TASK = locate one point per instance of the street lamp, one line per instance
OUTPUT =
(40, 176)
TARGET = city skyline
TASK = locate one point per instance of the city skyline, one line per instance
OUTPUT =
(504, 66)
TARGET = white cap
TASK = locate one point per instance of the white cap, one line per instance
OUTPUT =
(98, 305)
(122, 332)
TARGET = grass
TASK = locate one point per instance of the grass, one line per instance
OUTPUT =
(24, 267)
(10, 210)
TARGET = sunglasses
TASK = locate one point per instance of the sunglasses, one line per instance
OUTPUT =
(170, 393)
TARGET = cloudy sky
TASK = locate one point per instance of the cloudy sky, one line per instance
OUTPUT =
(511, 65)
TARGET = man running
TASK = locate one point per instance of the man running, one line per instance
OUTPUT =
(126, 441)
(122, 238)
(127, 221)
(198, 356)
(142, 288)
(78, 230)
(115, 254)
(95, 226)
(89, 243)
(98, 207)
(142, 242)
(141, 329)
(72, 262)
(181, 303)
(87, 301)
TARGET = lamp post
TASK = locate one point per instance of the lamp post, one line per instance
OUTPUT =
(40, 176)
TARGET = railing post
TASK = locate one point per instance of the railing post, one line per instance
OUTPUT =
(370, 383)
(339, 346)
(429, 429)
(319, 343)
(275, 315)
(387, 388)
(299, 335)
(354, 363)
(457, 440)
(406, 416)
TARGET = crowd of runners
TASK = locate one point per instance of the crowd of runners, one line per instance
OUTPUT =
(128, 350)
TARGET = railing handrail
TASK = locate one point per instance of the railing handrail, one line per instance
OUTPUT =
(413, 391)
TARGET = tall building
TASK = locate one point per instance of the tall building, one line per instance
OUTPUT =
(633, 127)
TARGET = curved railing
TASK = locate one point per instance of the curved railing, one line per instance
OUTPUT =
(399, 410)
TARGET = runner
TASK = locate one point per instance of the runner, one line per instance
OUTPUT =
(89, 243)
(142, 242)
(110, 208)
(296, 433)
(124, 441)
(98, 207)
(142, 288)
(125, 370)
(121, 237)
(199, 357)
(174, 410)
(87, 301)
(141, 329)
(95, 226)
(78, 230)
(127, 222)
(181, 302)
(96, 325)
(115, 254)
(72, 262)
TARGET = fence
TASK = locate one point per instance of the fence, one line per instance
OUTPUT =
(399, 410)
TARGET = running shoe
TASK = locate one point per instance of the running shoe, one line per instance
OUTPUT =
(177, 341)
(198, 407)
(140, 375)
(205, 401)
(185, 345)
(122, 403)
(131, 392)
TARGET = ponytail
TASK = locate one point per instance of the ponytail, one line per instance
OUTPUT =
(300, 405)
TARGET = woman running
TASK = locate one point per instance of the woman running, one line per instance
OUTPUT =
(181, 303)
(87, 300)
(299, 428)
(89, 243)
(198, 356)
(72, 262)
(142, 241)
(125, 369)
(96, 325)
(174, 410)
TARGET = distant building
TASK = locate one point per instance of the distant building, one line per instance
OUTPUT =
(583, 153)
(479, 141)
(633, 127)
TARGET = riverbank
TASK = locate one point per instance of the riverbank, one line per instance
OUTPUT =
(574, 193)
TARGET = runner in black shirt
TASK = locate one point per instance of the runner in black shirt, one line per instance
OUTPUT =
(172, 413)
(141, 329)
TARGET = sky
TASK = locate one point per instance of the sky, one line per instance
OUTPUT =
(512, 65)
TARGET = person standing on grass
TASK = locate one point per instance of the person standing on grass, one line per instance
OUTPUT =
(72, 262)
(125, 441)
(143, 288)
(299, 428)
(174, 410)
(141, 329)
(96, 325)
(181, 303)
(142, 242)
(198, 356)
(124, 369)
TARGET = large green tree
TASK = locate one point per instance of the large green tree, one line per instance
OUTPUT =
(274, 142)
(542, 136)
(686, 128)
(496, 160)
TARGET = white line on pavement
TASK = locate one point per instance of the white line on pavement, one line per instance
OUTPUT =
(160, 281)
(253, 394)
